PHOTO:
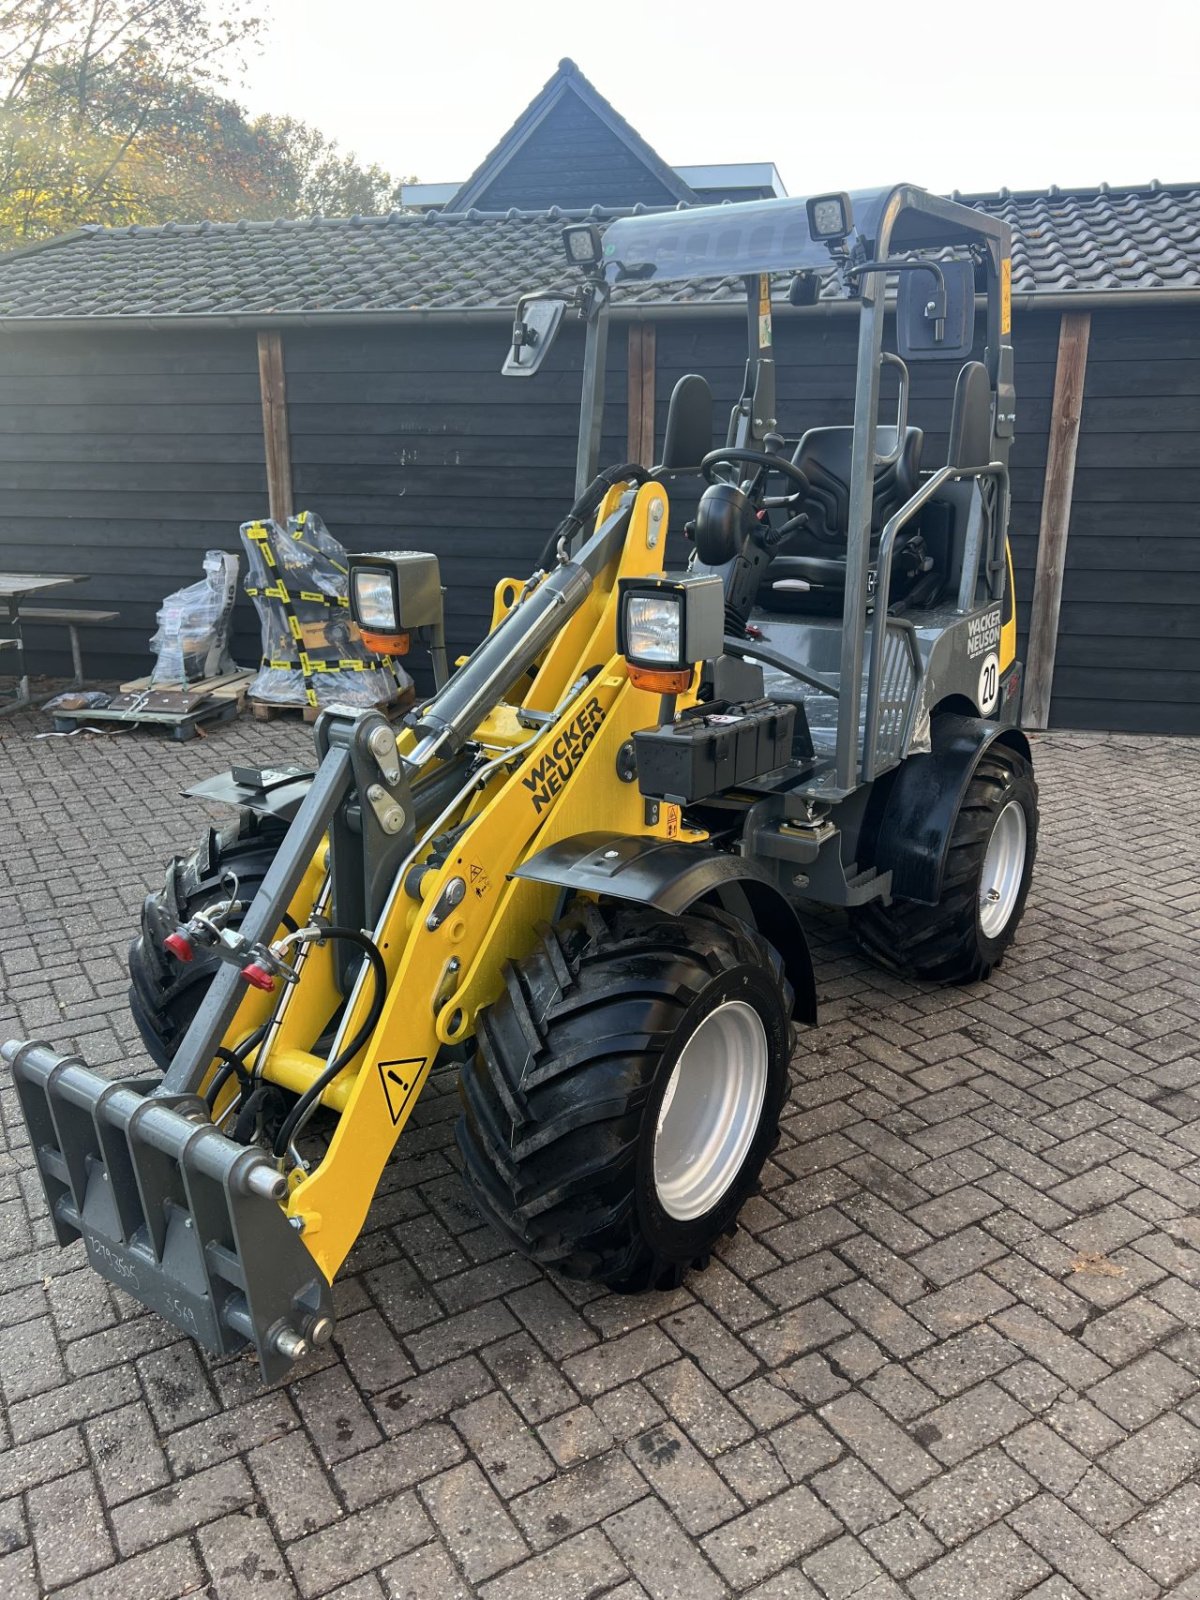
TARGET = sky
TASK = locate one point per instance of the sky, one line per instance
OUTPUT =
(840, 96)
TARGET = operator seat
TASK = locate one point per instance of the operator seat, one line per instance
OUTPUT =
(816, 554)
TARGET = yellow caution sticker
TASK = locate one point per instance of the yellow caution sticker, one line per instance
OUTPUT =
(764, 311)
(1006, 295)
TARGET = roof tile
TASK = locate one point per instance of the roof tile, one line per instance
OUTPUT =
(1084, 241)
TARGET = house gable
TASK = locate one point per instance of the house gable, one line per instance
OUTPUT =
(570, 148)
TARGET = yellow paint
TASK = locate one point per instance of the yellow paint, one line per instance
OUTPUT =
(1006, 295)
(431, 1001)
(1008, 627)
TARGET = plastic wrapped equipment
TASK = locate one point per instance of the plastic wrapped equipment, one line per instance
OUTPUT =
(192, 641)
(312, 652)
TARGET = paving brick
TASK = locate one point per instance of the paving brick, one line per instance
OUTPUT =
(856, 1497)
(1141, 1391)
(425, 1574)
(1101, 1501)
(582, 1568)
(676, 1470)
(698, 1406)
(574, 1500)
(753, 1471)
(337, 1420)
(168, 1572)
(661, 1555)
(975, 1494)
(477, 1530)
(717, 1352)
(969, 1422)
(575, 1436)
(398, 1464)
(128, 1458)
(760, 1542)
(291, 1482)
(1079, 1553)
(534, 1385)
(177, 1389)
(1165, 1541)
(243, 1560)
(179, 1507)
(902, 1544)
(896, 1456)
(503, 1444)
(68, 1530)
(1156, 1458)
(994, 1565)
(357, 1544)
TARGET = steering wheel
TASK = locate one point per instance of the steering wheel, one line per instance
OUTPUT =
(731, 457)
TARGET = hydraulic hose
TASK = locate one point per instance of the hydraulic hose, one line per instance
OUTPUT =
(303, 1108)
(589, 503)
(233, 1061)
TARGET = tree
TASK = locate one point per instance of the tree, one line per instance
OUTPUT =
(115, 111)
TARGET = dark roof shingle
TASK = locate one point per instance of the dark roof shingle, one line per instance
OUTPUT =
(1081, 241)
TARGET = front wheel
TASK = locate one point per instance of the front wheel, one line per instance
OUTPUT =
(626, 1091)
(989, 865)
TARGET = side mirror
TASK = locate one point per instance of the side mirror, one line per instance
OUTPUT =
(935, 311)
(689, 435)
(804, 289)
(537, 323)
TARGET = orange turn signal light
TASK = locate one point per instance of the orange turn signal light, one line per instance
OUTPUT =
(387, 644)
(661, 682)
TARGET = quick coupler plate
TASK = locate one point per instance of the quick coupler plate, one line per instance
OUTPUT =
(170, 1210)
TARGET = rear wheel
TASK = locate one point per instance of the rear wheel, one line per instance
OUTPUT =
(165, 994)
(627, 1090)
(989, 865)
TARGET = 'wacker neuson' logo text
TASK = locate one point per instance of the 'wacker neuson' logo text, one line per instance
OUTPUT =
(546, 778)
(983, 633)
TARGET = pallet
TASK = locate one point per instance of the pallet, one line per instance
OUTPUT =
(182, 709)
(180, 724)
(273, 710)
(228, 686)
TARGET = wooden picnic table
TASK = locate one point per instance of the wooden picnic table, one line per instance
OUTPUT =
(15, 587)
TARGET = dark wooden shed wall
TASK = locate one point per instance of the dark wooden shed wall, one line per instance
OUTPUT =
(572, 159)
(126, 454)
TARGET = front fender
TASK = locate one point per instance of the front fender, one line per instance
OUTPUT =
(672, 876)
(923, 800)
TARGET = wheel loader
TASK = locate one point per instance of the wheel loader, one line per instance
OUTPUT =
(573, 875)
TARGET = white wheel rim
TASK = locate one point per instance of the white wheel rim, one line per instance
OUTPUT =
(1003, 870)
(710, 1111)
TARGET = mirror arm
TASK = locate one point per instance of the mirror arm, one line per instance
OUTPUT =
(936, 309)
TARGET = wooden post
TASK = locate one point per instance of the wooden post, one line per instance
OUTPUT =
(273, 387)
(641, 392)
(1073, 335)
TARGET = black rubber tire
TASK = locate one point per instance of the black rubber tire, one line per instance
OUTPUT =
(164, 994)
(561, 1100)
(945, 943)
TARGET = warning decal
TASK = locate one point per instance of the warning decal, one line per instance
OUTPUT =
(400, 1082)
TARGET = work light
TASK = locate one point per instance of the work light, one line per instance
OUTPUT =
(666, 624)
(581, 241)
(391, 593)
(830, 216)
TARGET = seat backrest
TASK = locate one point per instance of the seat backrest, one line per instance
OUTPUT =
(823, 455)
(971, 418)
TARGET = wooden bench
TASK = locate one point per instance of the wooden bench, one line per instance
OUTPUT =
(72, 618)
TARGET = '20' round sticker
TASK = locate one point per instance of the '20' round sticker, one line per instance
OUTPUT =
(989, 684)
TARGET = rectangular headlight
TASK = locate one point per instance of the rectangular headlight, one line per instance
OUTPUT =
(654, 629)
(667, 624)
(373, 600)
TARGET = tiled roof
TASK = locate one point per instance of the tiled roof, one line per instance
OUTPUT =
(1077, 242)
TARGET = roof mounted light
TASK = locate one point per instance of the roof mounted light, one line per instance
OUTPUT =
(581, 242)
(830, 216)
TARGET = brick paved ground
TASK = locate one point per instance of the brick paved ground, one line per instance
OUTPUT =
(953, 1353)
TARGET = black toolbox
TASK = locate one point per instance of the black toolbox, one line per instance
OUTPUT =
(712, 749)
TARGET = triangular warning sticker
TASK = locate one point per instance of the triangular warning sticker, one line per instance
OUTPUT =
(400, 1080)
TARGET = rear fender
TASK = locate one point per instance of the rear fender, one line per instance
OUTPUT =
(913, 833)
(673, 876)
